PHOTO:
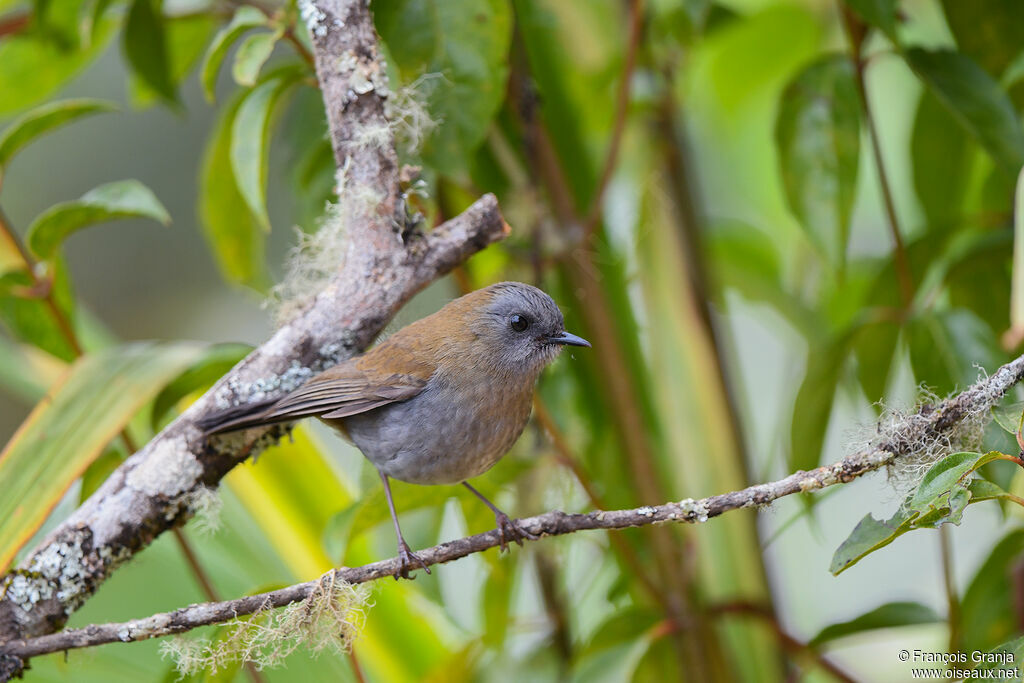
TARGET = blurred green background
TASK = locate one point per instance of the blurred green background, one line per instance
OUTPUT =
(733, 261)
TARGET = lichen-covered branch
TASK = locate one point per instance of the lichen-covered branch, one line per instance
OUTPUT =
(903, 437)
(383, 266)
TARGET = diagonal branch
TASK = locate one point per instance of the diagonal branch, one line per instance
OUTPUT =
(155, 489)
(928, 424)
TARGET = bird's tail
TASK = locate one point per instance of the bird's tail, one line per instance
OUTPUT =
(238, 417)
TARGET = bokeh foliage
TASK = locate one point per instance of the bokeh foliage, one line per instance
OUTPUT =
(668, 167)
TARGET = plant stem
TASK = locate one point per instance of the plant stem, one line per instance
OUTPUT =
(636, 19)
(952, 600)
(856, 37)
(788, 642)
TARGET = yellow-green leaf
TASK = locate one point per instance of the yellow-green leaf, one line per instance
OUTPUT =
(113, 201)
(250, 142)
(44, 119)
(71, 427)
(245, 18)
(252, 54)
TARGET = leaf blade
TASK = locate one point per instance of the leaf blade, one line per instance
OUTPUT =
(69, 429)
(112, 201)
(44, 119)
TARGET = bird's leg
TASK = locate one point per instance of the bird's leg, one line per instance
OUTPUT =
(508, 529)
(406, 557)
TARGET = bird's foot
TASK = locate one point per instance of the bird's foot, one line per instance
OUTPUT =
(407, 561)
(510, 530)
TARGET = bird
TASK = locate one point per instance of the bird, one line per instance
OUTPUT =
(438, 402)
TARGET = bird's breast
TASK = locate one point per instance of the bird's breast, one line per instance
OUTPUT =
(450, 432)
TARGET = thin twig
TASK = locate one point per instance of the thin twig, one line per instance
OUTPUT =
(555, 523)
(929, 423)
(856, 40)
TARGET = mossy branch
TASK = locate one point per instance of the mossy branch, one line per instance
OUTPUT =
(903, 436)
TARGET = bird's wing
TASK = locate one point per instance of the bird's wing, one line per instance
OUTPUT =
(386, 374)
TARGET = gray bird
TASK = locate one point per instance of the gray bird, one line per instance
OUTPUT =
(438, 402)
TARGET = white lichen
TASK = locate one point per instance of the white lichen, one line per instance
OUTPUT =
(364, 75)
(694, 510)
(330, 618)
(314, 18)
(919, 445)
(58, 571)
(168, 470)
(205, 506)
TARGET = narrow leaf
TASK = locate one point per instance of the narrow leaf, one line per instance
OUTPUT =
(245, 18)
(1017, 284)
(252, 54)
(975, 100)
(1009, 416)
(71, 427)
(44, 119)
(113, 201)
(817, 131)
(145, 48)
(878, 13)
(813, 406)
(889, 615)
(250, 140)
(233, 233)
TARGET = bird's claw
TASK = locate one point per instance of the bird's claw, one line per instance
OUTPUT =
(407, 560)
(511, 530)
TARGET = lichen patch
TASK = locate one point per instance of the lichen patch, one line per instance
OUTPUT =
(168, 470)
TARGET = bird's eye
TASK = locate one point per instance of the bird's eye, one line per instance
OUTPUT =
(519, 322)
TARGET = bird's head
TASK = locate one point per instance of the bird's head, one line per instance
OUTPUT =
(517, 328)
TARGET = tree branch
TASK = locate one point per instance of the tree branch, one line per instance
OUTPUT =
(154, 490)
(927, 424)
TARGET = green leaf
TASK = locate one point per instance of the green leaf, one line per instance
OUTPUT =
(252, 54)
(1009, 416)
(245, 18)
(813, 405)
(943, 347)
(874, 346)
(1017, 282)
(975, 100)
(868, 536)
(71, 427)
(337, 533)
(889, 615)
(31, 319)
(250, 143)
(101, 468)
(19, 376)
(942, 477)
(817, 131)
(186, 37)
(145, 47)
(44, 119)
(1009, 656)
(465, 42)
(215, 362)
(941, 151)
(983, 489)
(988, 31)
(987, 612)
(34, 67)
(113, 201)
(878, 13)
(229, 226)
